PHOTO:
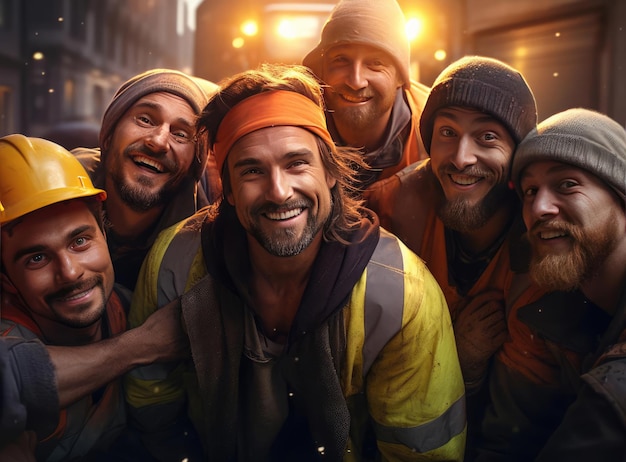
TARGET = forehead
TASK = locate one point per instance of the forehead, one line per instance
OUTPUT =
(165, 102)
(41, 224)
(276, 141)
(357, 50)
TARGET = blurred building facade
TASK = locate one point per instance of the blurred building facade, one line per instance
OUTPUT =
(573, 52)
(62, 60)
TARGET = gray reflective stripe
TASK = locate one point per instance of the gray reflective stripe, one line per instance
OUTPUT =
(429, 436)
(177, 260)
(384, 297)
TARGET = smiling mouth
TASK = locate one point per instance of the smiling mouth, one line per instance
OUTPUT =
(148, 163)
(464, 180)
(279, 216)
(355, 99)
(547, 235)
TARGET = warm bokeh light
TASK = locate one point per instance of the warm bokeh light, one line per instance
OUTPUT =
(238, 42)
(37, 55)
(414, 28)
(249, 28)
(440, 55)
(286, 29)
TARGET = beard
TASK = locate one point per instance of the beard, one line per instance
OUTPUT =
(286, 242)
(567, 271)
(359, 118)
(462, 215)
(140, 196)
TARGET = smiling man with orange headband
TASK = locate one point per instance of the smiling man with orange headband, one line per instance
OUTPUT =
(314, 333)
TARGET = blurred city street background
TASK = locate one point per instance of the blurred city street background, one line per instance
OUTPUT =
(62, 60)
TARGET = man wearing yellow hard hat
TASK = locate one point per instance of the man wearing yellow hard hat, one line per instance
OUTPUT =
(59, 397)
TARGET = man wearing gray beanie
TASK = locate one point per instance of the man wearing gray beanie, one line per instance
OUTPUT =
(456, 210)
(155, 170)
(558, 386)
(372, 103)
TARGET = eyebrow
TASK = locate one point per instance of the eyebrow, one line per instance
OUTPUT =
(158, 107)
(247, 161)
(40, 248)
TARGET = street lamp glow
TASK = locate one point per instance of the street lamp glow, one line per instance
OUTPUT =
(37, 55)
(414, 28)
(250, 28)
(238, 42)
(440, 55)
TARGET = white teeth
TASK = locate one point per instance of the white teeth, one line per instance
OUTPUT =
(149, 162)
(76, 296)
(464, 180)
(551, 234)
(284, 215)
(353, 100)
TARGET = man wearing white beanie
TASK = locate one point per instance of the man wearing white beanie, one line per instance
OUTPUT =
(372, 103)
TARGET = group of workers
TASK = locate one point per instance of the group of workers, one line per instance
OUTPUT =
(326, 261)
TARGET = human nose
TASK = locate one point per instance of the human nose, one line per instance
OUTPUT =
(464, 155)
(159, 137)
(68, 268)
(356, 78)
(279, 189)
(542, 206)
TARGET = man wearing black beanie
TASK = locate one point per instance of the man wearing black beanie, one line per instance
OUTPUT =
(558, 384)
(456, 210)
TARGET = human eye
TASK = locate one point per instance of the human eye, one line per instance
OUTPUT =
(446, 132)
(36, 260)
(529, 191)
(182, 136)
(143, 120)
(80, 243)
(567, 184)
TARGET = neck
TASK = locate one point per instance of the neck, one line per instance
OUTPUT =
(62, 335)
(126, 222)
(370, 139)
(277, 286)
(479, 240)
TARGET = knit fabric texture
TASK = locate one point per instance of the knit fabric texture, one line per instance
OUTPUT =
(378, 23)
(580, 137)
(194, 90)
(488, 85)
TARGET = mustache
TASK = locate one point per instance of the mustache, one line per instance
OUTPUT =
(74, 288)
(270, 207)
(472, 170)
(343, 89)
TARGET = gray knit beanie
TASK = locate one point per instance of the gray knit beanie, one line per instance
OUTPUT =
(379, 23)
(580, 137)
(488, 85)
(194, 90)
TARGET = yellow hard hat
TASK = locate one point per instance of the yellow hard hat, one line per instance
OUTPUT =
(35, 173)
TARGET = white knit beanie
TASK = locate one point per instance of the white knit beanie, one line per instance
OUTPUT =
(379, 23)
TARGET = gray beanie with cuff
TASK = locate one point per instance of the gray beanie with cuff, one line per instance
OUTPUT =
(580, 137)
(488, 85)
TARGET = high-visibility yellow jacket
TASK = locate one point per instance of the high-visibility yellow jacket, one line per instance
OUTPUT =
(397, 365)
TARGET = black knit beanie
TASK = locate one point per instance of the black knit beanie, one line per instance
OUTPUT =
(488, 85)
(580, 137)
(379, 23)
(194, 90)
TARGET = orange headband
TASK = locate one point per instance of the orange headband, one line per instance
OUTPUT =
(268, 109)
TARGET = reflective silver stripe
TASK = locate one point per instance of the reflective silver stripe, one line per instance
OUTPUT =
(177, 261)
(384, 297)
(429, 436)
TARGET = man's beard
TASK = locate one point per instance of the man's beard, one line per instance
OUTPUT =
(360, 117)
(285, 242)
(138, 198)
(462, 215)
(566, 272)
